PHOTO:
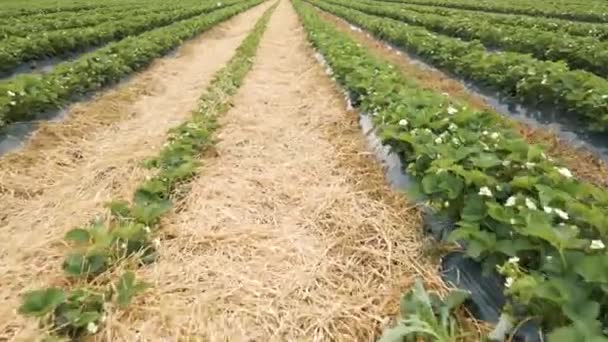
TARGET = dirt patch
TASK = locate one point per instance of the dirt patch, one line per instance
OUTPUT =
(582, 162)
(73, 179)
(290, 233)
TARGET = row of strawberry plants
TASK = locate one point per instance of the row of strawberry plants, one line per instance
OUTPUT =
(22, 11)
(576, 28)
(589, 12)
(22, 27)
(585, 53)
(129, 237)
(520, 76)
(17, 50)
(23, 96)
(516, 209)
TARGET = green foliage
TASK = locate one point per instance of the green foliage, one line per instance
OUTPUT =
(513, 205)
(127, 287)
(516, 75)
(425, 315)
(23, 96)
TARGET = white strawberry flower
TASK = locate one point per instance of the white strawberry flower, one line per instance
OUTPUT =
(564, 172)
(548, 210)
(452, 110)
(530, 165)
(92, 328)
(562, 214)
(403, 122)
(438, 140)
(455, 141)
(512, 222)
(508, 282)
(10, 93)
(494, 135)
(485, 191)
(452, 127)
(446, 204)
(510, 201)
(513, 260)
(530, 204)
(506, 163)
(485, 132)
(147, 229)
(597, 244)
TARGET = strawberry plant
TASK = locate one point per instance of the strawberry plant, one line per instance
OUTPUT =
(23, 96)
(593, 11)
(129, 232)
(17, 50)
(79, 311)
(585, 53)
(427, 316)
(517, 210)
(519, 76)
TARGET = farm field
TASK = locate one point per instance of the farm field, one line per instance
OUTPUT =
(298, 170)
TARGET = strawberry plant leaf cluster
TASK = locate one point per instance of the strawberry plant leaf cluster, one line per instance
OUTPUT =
(17, 50)
(517, 210)
(23, 96)
(522, 77)
(586, 53)
(576, 28)
(591, 11)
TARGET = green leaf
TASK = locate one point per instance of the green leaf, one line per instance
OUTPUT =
(594, 268)
(119, 209)
(500, 213)
(78, 265)
(474, 208)
(127, 287)
(41, 302)
(78, 235)
(455, 298)
(486, 160)
(524, 182)
(87, 317)
(148, 213)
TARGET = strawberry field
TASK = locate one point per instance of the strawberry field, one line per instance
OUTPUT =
(328, 170)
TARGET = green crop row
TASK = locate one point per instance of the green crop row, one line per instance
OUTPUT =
(516, 210)
(128, 236)
(16, 50)
(519, 76)
(24, 26)
(23, 96)
(583, 11)
(576, 28)
(585, 53)
(17, 9)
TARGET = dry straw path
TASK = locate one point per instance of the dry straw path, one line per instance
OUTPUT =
(64, 176)
(289, 233)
